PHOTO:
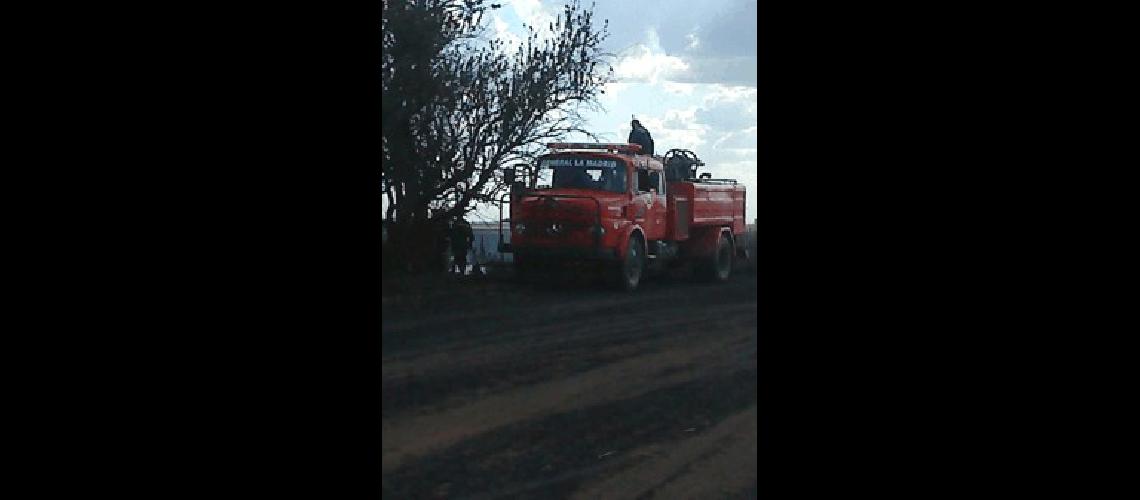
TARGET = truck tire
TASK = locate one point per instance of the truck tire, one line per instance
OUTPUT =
(718, 266)
(632, 267)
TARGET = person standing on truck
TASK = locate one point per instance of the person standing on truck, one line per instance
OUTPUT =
(640, 135)
(461, 238)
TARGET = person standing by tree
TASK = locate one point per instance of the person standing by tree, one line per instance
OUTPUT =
(461, 239)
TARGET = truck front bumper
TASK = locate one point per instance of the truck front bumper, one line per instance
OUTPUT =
(562, 252)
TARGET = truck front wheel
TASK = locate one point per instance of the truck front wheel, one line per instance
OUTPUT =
(633, 266)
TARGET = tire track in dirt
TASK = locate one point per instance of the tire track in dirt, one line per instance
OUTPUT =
(553, 353)
(557, 391)
(539, 332)
(413, 436)
(412, 335)
(717, 463)
(553, 455)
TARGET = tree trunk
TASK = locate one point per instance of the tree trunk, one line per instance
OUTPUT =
(419, 245)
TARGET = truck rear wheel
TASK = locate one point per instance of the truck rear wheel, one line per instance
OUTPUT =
(630, 270)
(718, 267)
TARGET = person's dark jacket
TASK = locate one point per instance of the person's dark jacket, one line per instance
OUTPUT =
(461, 237)
(640, 135)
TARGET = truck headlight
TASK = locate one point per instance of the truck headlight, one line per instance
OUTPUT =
(599, 230)
(520, 228)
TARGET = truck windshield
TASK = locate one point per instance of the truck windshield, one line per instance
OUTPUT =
(585, 173)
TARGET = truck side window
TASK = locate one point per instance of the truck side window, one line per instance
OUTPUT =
(655, 182)
(644, 182)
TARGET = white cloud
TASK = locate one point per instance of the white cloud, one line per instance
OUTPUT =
(533, 13)
(742, 140)
(729, 109)
(648, 63)
(645, 66)
(694, 40)
(692, 137)
(725, 93)
(736, 70)
(678, 88)
(680, 118)
(612, 90)
(653, 39)
(503, 32)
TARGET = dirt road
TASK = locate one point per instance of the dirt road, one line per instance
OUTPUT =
(513, 391)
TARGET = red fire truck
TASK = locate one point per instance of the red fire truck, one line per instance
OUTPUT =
(626, 213)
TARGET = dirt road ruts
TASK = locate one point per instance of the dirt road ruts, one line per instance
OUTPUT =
(499, 390)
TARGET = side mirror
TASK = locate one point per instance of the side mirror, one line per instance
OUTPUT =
(509, 176)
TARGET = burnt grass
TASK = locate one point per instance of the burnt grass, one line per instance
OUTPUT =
(424, 391)
(504, 311)
(549, 457)
(573, 356)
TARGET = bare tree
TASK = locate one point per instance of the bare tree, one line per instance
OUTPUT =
(457, 106)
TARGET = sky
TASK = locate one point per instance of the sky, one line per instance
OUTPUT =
(685, 69)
